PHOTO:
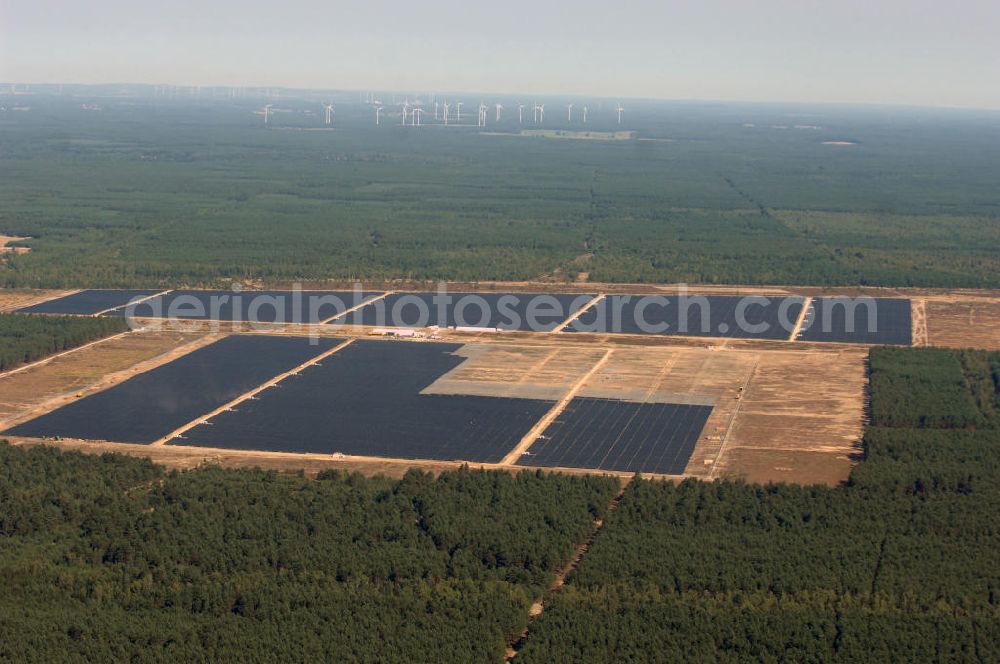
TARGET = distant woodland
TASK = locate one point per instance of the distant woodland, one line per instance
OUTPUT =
(24, 338)
(155, 193)
(114, 558)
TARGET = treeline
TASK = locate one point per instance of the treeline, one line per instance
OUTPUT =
(24, 338)
(901, 564)
(935, 388)
(111, 559)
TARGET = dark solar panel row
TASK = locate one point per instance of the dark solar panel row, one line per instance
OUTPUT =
(833, 319)
(618, 435)
(365, 400)
(692, 315)
(862, 320)
(534, 312)
(149, 406)
(87, 302)
(307, 307)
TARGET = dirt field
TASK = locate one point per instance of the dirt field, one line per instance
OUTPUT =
(967, 323)
(801, 418)
(12, 299)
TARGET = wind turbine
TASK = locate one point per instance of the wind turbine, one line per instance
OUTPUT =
(520, 114)
(406, 110)
(620, 109)
(436, 105)
(458, 112)
(482, 114)
(267, 112)
(569, 112)
(378, 113)
(416, 113)
(541, 113)
(447, 109)
(329, 113)
(584, 115)
(499, 108)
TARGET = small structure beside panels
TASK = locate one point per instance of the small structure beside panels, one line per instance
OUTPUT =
(87, 302)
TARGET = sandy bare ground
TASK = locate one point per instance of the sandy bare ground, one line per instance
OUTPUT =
(6, 239)
(12, 299)
(963, 323)
(801, 418)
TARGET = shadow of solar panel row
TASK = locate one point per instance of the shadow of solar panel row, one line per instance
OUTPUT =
(530, 312)
(87, 302)
(751, 317)
(862, 320)
(365, 400)
(307, 307)
(149, 406)
(607, 434)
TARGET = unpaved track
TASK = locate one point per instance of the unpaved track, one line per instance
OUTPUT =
(581, 550)
(579, 312)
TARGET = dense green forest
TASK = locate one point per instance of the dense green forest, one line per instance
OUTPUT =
(26, 338)
(164, 192)
(110, 558)
(902, 564)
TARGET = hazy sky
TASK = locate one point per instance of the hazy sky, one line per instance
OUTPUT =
(925, 52)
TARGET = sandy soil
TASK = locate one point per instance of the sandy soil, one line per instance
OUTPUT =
(5, 239)
(12, 299)
(796, 406)
(963, 323)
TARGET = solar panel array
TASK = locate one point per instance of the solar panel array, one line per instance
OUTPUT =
(718, 316)
(727, 316)
(365, 400)
(535, 312)
(87, 302)
(149, 406)
(307, 307)
(859, 320)
(620, 435)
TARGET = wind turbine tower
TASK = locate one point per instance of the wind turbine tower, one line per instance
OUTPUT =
(520, 114)
(416, 113)
(267, 112)
(499, 108)
(569, 112)
(619, 110)
(482, 114)
(458, 111)
(378, 114)
(328, 119)
(446, 107)
(584, 115)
